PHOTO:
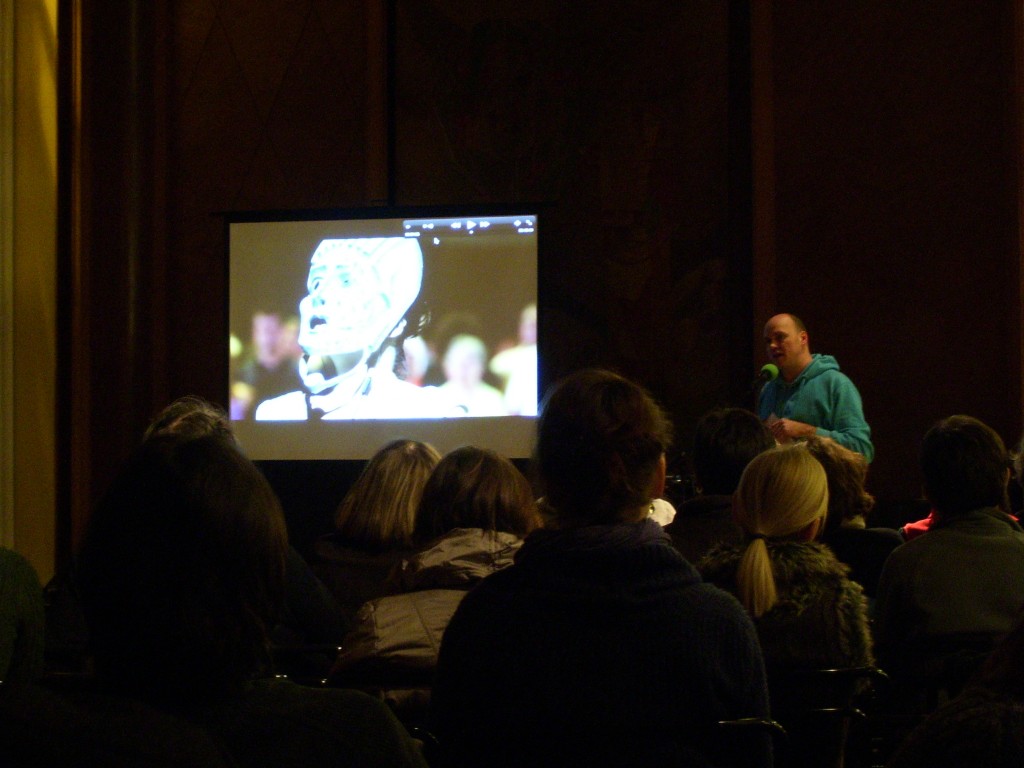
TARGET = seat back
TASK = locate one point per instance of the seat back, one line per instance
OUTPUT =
(818, 708)
(43, 727)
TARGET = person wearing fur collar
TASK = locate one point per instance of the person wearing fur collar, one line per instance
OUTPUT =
(807, 611)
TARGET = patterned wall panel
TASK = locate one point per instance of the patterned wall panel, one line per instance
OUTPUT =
(618, 118)
(897, 197)
(268, 111)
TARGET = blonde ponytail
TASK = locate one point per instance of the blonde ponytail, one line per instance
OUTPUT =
(781, 493)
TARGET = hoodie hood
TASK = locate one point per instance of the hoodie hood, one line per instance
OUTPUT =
(819, 364)
(458, 559)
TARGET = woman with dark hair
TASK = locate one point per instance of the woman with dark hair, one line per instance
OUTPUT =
(849, 505)
(475, 510)
(600, 645)
(307, 617)
(374, 525)
(182, 568)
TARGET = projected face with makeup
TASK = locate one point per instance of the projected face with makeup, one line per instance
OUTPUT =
(359, 291)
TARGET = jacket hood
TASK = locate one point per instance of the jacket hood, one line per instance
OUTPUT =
(458, 559)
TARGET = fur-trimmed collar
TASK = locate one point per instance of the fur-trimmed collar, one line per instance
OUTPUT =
(802, 569)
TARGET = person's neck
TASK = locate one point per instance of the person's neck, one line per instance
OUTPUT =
(792, 375)
(341, 393)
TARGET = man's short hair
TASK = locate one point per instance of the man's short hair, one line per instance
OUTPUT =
(964, 463)
(191, 417)
(797, 322)
(726, 440)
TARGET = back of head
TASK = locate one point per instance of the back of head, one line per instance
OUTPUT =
(726, 440)
(965, 464)
(191, 417)
(781, 494)
(379, 511)
(846, 471)
(181, 569)
(599, 443)
(475, 488)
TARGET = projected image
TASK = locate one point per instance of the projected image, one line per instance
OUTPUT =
(436, 320)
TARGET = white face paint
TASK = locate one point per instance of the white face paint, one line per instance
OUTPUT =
(359, 289)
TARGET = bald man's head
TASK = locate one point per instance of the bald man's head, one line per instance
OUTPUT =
(785, 338)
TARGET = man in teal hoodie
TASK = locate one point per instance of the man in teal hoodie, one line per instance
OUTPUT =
(811, 395)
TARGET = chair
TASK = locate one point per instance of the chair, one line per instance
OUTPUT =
(934, 673)
(70, 722)
(818, 708)
(744, 737)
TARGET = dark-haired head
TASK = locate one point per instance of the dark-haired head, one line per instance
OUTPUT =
(182, 569)
(475, 488)
(191, 417)
(601, 443)
(379, 511)
(726, 440)
(965, 466)
(847, 472)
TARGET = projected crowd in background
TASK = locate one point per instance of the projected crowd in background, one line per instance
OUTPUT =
(383, 319)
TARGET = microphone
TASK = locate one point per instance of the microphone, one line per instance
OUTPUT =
(769, 372)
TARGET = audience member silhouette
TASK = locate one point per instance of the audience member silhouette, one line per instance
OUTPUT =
(849, 505)
(599, 646)
(725, 442)
(182, 569)
(960, 586)
(308, 615)
(807, 611)
(475, 511)
(374, 525)
(983, 727)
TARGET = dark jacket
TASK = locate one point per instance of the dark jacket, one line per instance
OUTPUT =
(964, 577)
(600, 646)
(272, 723)
(820, 619)
(393, 647)
(701, 524)
(978, 729)
(865, 550)
(354, 575)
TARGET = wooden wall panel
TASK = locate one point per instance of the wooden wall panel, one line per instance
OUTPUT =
(619, 119)
(268, 111)
(897, 189)
(892, 172)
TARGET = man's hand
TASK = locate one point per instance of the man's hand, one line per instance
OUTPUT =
(786, 430)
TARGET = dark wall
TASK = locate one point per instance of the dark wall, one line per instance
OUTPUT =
(891, 180)
(618, 119)
(897, 183)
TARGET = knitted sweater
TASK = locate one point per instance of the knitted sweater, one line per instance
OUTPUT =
(599, 646)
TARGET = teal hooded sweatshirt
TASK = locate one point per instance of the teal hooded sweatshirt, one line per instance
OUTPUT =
(824, 396)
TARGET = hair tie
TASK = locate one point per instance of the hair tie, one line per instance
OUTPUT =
(761, 536)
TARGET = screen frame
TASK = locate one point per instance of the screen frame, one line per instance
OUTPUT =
(515, 432)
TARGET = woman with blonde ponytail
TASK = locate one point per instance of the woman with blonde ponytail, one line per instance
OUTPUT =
(806, 609)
